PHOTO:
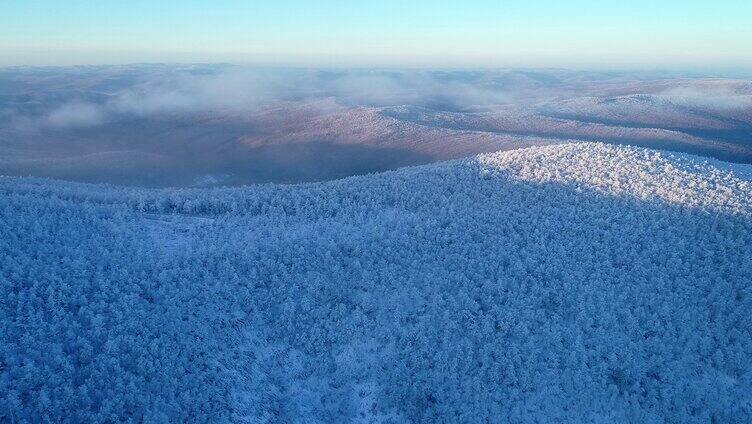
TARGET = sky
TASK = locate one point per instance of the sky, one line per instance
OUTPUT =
(465, 34)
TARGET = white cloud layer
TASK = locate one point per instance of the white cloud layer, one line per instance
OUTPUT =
(77, 114)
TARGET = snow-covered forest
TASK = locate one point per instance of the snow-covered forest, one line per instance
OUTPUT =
(570, 283)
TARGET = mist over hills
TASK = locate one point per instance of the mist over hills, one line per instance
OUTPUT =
(186, 125)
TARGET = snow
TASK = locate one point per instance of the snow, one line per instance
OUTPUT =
(572, 283)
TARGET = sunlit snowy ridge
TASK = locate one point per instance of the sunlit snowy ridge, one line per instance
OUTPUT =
(570, 283)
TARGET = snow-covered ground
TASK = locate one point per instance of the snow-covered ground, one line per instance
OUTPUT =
(571, 283)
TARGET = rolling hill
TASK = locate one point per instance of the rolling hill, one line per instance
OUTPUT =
(578, 282)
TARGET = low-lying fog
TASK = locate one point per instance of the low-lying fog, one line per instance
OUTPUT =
(199, 125)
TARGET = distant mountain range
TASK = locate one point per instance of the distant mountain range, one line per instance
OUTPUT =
(171, 125)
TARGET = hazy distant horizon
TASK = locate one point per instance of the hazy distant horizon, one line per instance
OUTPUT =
(733, 72)
(45, 60)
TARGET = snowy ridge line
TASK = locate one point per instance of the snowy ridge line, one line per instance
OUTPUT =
(693, 181)
(251, 199)
(513, 123)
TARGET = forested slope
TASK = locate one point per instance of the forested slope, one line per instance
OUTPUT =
(570, 283)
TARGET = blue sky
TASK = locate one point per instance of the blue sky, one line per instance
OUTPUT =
(575, 33)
